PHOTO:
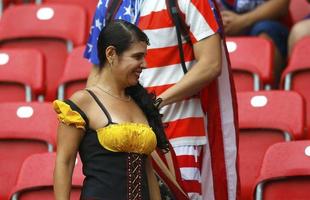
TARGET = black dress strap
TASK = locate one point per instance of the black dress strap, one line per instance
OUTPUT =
(101, 106)
(77, 109)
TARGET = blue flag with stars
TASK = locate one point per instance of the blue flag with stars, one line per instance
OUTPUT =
(128, 10)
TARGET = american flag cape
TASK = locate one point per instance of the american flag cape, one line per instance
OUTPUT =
(220, 179)
(220, 104)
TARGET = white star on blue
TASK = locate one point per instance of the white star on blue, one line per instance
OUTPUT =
(90, 47)
(99, 3)
(126, 12)
(98, 24)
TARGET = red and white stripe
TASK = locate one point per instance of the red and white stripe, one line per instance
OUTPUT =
(214, 166)
(189, 162)
(221, 149)
(164, 69)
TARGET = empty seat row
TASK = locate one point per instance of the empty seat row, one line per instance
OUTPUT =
(52, 29)
(23, 67)
(265, 118)
(283, 174)
(22, 76)
(26, 129)
(40, 185)
(296, 76)
(89, 6)
(297, 9)
(252, 68)
(251, 61)
(55, 29)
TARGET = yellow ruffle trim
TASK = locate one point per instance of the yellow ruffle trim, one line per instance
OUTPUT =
(68, 116)
(128, 137)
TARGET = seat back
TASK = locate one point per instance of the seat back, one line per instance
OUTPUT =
(3, 5)
(285, 172)
(298, 9)
(89, 6)
(75, 74)
(51, 28)
(40, 185)
(18, 67)
(251, 60)
(26, 129)
(297, 74)
(265, 118)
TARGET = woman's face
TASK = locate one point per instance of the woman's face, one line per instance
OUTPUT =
(130, 63)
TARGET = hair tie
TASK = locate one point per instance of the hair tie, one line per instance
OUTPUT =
(157, 102)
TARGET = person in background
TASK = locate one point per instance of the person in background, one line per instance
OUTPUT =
(259, 18)
(206, 159)
(113, 124)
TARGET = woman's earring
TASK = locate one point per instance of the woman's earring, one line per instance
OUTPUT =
(111, 61)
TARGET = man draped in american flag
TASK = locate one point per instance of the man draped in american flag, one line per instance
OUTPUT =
(198, 107)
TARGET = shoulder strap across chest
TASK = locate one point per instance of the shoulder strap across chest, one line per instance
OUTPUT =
(101, 106)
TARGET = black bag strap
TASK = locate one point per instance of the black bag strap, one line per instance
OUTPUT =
(112, 9)
(180, 26)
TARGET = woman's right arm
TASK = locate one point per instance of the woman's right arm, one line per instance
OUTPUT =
(68, 140)
(152, 181)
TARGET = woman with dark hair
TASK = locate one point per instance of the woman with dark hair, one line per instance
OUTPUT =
(113, 124)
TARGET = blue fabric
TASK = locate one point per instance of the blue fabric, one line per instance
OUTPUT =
(241, 6)
(217, 16)
(128, 11)
(277, 31)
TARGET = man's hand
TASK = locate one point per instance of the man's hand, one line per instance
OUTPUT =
(234, 24)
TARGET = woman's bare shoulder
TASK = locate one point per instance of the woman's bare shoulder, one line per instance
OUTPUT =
(81, 98)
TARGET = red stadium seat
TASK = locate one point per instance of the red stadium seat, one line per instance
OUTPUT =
(52, 29)
(32, 185)
(75, 74)
(18, 67)
(251, 60)
(297, 74)
(22, 1)
(26, 129)
(265, 118)
(285, 172)
(5, 3)
(298, 10)
(89, 5)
